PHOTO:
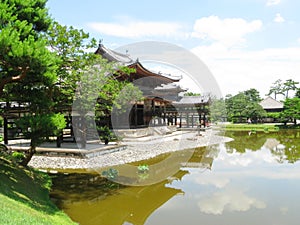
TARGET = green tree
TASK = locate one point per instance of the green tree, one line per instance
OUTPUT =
(72, 49)
(28, 68)
(23, 53)
(289, 85)
(234, 106)
(217, 110)
(291, 109)
(276, 88)
(242, 106)
(98, 92)
(93, 77)
(254, 111)
(297, 93)
(253, 95)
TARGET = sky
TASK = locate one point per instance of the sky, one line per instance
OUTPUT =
(244, 43)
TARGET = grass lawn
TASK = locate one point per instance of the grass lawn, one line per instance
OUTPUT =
(24, 197)
(251, 127)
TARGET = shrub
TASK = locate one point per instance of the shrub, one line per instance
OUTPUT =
(18, 156)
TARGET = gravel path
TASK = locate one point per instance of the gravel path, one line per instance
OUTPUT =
(136, 150)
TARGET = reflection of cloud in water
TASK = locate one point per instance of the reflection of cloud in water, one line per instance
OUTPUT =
(284, 210)
(229, 200)
(216, 180)
(247, 158)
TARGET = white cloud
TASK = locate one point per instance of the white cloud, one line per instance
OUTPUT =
(229, 200)
(238, 69)
(278, 18)
(138, 29)
(273, 2)
(229, 31)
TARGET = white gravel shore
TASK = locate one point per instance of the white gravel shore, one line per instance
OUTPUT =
(136, 150)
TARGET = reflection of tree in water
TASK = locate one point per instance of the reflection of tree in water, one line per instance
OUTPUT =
(244, 140)
(81, 186)
(291, 141)
(286, 145)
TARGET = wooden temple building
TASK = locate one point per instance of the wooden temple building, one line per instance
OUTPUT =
(162, 102)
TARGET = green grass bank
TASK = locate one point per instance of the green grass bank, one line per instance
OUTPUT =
(257, 127)
(24, 197)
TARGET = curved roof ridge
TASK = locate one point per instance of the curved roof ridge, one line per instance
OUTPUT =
(112, 55)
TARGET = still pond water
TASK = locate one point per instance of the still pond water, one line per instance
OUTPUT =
(254, 179)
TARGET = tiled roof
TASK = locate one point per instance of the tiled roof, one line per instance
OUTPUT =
(113, 56)
(192, 100)
(271, 103)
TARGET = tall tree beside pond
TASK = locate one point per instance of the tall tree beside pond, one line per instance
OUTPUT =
(99, 92)
(277, 88)
(28, 68)
(217, 110)
(297, 93)
(289, 85)
(72, 49)
(253, 95)
(23, 52)
(244, 105)
(291, 109)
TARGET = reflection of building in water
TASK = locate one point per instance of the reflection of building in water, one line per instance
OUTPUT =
(277, 149)
(130, 204)
(200, 159)
(271, 143)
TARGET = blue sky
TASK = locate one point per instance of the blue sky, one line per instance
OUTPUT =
(245, 43)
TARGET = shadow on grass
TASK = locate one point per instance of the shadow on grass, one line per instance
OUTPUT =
(26, 185)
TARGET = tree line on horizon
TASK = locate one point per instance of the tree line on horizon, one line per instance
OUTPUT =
(245, 105)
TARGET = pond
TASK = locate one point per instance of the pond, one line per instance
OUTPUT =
(254, 179)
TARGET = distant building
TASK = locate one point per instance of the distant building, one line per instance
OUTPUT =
(271, 105)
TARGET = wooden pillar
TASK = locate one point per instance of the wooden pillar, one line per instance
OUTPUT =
(180, 120)
(135, 115)
(161, 121)
(187, 119)
(153, 112)
(192, 120)
(5, 132)
(164, 112)
(200, 122)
